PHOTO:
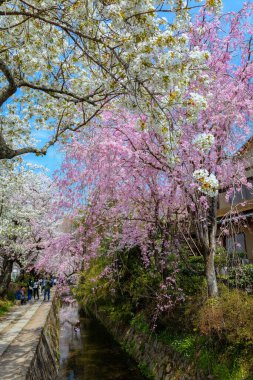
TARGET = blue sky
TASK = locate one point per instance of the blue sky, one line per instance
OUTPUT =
(54, 157)
(52, 160)
(233, 5)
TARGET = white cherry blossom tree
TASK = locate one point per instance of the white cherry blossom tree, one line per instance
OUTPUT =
(62, 61)
(24, 202)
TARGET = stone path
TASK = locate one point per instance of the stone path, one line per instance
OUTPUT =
(19, 333)
(14, 322)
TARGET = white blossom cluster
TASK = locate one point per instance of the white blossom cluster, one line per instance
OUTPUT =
(198, 101)
(209, 184)
(204, 141)
(122, 50)
(199, 55)
(172, 139)
(25, 198)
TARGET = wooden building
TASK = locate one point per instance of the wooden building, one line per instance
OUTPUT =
(237, 211)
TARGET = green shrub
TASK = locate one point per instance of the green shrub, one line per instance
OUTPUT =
(185, 345)
(220, 258)
(192, 265)
(117, 313)
(143, 367)
(228, 317)
(241, 277)
(128, 284)
(93, 287)
(5, 306)
(139, 322)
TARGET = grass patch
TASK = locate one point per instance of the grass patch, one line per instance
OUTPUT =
(222, 361)
(5, 305)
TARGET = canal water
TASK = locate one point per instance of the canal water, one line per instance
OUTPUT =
(90, 353)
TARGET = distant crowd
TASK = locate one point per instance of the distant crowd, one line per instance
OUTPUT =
(34, 289)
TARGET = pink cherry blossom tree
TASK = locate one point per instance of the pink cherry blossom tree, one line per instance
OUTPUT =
(153, 187)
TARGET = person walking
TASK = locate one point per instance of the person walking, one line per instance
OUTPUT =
(47, 287)
(36, 289)
(30, 290)
(41, 284)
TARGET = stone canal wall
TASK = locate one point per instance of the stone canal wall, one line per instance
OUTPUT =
(29, 342)
(156, 360)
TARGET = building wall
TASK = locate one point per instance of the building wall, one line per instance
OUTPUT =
(249, 241)
(248, 234)
(222, 201)
(224, 207)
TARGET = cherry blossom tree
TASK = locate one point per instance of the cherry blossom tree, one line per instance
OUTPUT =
(61, 62)
(24, 202)
(153, 188)
(225, 123)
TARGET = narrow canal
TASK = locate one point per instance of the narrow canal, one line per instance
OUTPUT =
(90, 353)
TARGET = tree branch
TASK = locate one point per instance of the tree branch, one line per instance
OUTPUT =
(11, 88)
(70, 95)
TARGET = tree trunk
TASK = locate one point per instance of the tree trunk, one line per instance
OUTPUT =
(206, 228)
(212, 287)
(5, 276)
(210, 253)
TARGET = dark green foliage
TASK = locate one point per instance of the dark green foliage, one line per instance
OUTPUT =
(129, 289)
(241, 277)
(192, 265)
(139, 322)
(214, 335)
(144, 370)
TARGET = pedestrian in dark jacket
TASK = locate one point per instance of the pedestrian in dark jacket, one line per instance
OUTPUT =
(30, 290)
(47, 287)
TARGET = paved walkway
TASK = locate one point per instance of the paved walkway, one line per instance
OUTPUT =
(19, 331)
(14, 323)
